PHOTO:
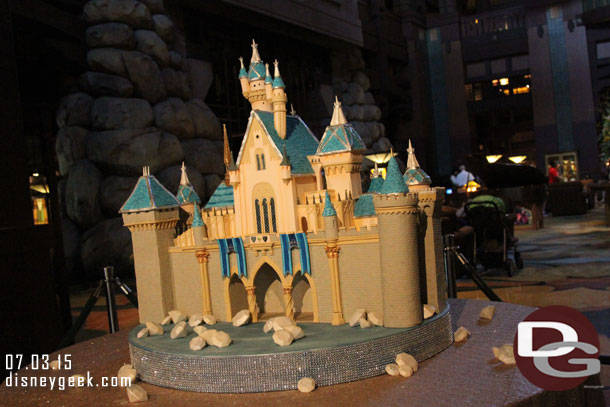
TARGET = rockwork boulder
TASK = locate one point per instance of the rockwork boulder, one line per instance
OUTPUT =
(97, 83)
(176, 83)
(82, 190)
(172, 116)
(150, 43)
(204, 155)
(145, 75)
(109, 113)
(71, 147)
(164, 27)
(115, 35)
(74, 110)
(205, 121)
(106, 244)
(131, 12)
(109, 60)
(114, 192)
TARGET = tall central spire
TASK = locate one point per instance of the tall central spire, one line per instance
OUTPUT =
(255, 57)
(184, 178)
(338, 116)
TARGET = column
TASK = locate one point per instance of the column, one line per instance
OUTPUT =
(332, 252)
(252, 307)
(203, 257)
(288, 302)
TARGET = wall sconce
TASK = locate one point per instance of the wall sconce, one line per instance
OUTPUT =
(518, 159)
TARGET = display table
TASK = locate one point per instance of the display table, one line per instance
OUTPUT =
(462, 375)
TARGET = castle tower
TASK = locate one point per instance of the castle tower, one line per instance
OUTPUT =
(397, 214)
(253, 84)
(268, 83)
(200, 232)
(151, 213)
(341, 153)
(186, 193)
(331, 236)
(279, 100)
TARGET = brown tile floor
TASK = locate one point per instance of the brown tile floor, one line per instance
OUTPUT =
(566, 263)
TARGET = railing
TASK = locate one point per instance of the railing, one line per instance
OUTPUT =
(588, 5)
(491, 23)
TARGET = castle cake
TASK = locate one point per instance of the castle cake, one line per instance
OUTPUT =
(290, 231)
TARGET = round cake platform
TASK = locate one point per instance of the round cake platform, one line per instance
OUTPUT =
(253, 363)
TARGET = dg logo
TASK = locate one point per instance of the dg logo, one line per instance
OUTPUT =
(557, 348)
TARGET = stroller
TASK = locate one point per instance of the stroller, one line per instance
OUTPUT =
(493, 236)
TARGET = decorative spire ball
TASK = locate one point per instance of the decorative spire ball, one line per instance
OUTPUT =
(412, 160)
(255, 56)
(338, 116)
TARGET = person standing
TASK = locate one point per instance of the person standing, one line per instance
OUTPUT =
(553, 173)
(463, 177)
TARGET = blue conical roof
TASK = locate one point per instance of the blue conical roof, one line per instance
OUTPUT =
(278, 82)
(394, 182)
(256, 71)
(186, 194)
(197, 221)
(149, 194)
(375, 185)
(329, 209)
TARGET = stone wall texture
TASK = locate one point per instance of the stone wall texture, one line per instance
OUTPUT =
(135, 107)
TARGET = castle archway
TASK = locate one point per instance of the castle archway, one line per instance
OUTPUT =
(237, 297)
(269, 292)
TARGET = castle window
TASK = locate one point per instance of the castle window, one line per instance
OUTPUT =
(265, 215)
(272, 207)
(257, 209)
(263, 161)
(258, 162)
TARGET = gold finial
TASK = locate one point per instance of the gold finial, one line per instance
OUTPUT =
(267, 70)
(255, 56)
(241, 63)
(184, 179)
(292, 111)
(411, 160)
(338, 116)
(276, 72)
(376, 171)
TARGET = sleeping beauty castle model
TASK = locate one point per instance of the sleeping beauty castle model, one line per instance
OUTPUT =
(290, 231)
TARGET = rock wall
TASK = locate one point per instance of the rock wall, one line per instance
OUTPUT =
(352, 85)
(136, 106)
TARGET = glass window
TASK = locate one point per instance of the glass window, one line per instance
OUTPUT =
(272, 207)
(257, 208)
(263, 161)
(265, 215)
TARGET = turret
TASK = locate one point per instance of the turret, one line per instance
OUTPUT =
(331, 226)
(415, 177)
(231, 170)
(397, 215)
(341, 153)
(243, 79)
(268, 83)
(279, 100)
(285, 171)
(151, 214)
(186, 193)
(200, 233)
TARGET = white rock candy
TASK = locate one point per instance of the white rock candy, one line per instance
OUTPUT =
(154, 329)
(355, 318)
(405, 371)
(177, 316)
(375, 318)
(268, 325)
(220, 339)
(200, 329)
(488, 312)
(195, 320)
(364, 323)
(404, 359)
(296, 331)
(142, 333)
(241, 318)
(208, 334)
(429, 310)
(197, 343)
(281, 323)
(306, 385)
(166, 320)
(178, 331)
(128, 371)
(392, 369)
(505, 354)
(461, 334)
(209, 319)
(282, 337)
(136, 393)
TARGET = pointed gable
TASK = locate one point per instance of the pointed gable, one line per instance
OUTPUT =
(298, 144)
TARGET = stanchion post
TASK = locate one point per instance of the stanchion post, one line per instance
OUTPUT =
(450, 266)
(113, 321)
